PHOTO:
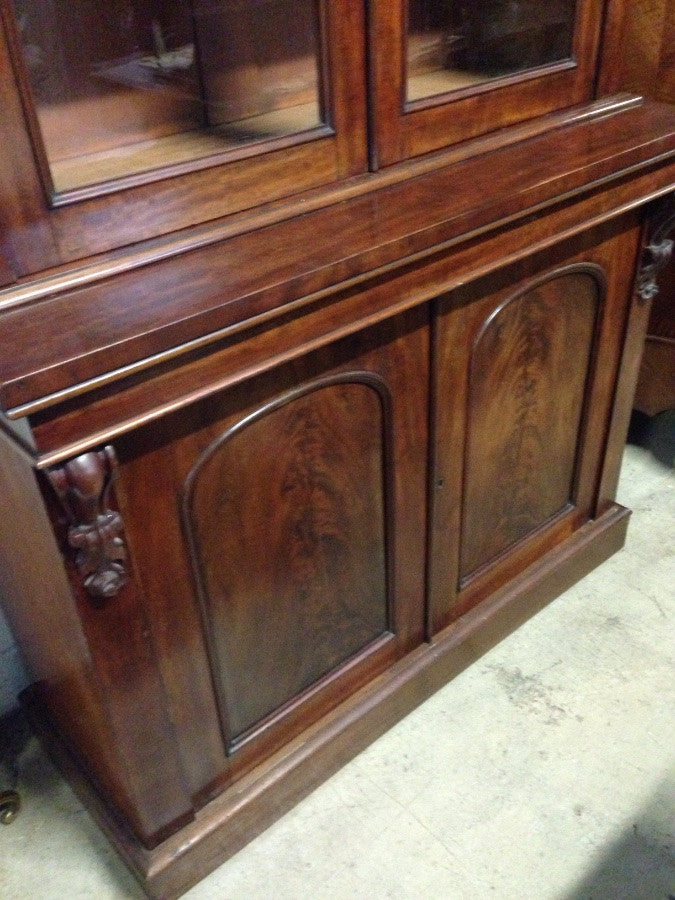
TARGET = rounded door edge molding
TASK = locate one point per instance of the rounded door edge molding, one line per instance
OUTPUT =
(238, 727)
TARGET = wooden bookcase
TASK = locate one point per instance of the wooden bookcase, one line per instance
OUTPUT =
(319, 330)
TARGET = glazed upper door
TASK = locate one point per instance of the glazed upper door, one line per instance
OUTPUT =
(448, 70)
(144, 116)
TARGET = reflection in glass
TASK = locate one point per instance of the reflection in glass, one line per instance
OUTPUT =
(454, 44)
(125, 86)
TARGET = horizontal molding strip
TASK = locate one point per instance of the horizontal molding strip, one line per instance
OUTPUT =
(60, 282)
(46, 459)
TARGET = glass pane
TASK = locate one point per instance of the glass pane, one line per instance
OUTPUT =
(125, 86)
(454, 44)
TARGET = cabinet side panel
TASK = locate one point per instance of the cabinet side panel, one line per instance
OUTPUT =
(527, 378)
(287, 524)
(89, 653)
(84, 509)
(41, 611)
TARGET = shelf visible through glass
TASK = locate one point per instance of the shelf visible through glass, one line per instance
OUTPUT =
(126, 87)
(457, 44)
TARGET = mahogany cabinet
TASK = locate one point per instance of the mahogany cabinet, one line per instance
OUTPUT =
(319, 331)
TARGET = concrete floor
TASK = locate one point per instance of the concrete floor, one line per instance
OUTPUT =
(545, 771)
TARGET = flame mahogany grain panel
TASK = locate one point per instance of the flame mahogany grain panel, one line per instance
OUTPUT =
(527, 380)
(286, 518)
(477, 478)
(301, 556)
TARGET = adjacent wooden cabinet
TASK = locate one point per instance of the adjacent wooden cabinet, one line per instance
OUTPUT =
(648, 66)
(319, 330)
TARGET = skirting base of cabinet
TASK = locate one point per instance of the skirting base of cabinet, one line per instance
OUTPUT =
(230, 821)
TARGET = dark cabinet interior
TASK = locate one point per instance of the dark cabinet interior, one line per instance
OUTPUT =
(445, 72)
(319, 330)
(452, 46)
(648, 67)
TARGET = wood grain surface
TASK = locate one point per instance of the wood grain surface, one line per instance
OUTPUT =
(287, 520)
(157, 202)
(479, 433)
(528, 374)
(366, 422)
(124, 319)
(93, 666)
(286, 565)
(406, 130)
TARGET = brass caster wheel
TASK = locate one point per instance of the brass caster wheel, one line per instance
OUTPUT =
(10, 804)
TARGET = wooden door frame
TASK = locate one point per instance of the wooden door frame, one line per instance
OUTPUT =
(41, 232)
(404, 130)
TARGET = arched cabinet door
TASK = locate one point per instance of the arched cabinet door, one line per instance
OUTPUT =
(525, 361)
(286, 515)
(285, 565)
(528, 371)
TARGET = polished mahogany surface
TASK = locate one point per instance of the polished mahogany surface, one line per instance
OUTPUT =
(139, 131)
(528, 373)
(271, 531)
(446, 72)
(98, 328)
(546, 440)
(286, 517)
(297, 424)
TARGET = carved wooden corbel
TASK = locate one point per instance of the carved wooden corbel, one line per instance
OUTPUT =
(95, 532)
(656, 254)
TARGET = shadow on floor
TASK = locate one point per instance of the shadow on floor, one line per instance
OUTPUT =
(656, 433)
(53, 820)
(640, 865)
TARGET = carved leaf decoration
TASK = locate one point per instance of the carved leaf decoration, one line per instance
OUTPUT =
(95, 532)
